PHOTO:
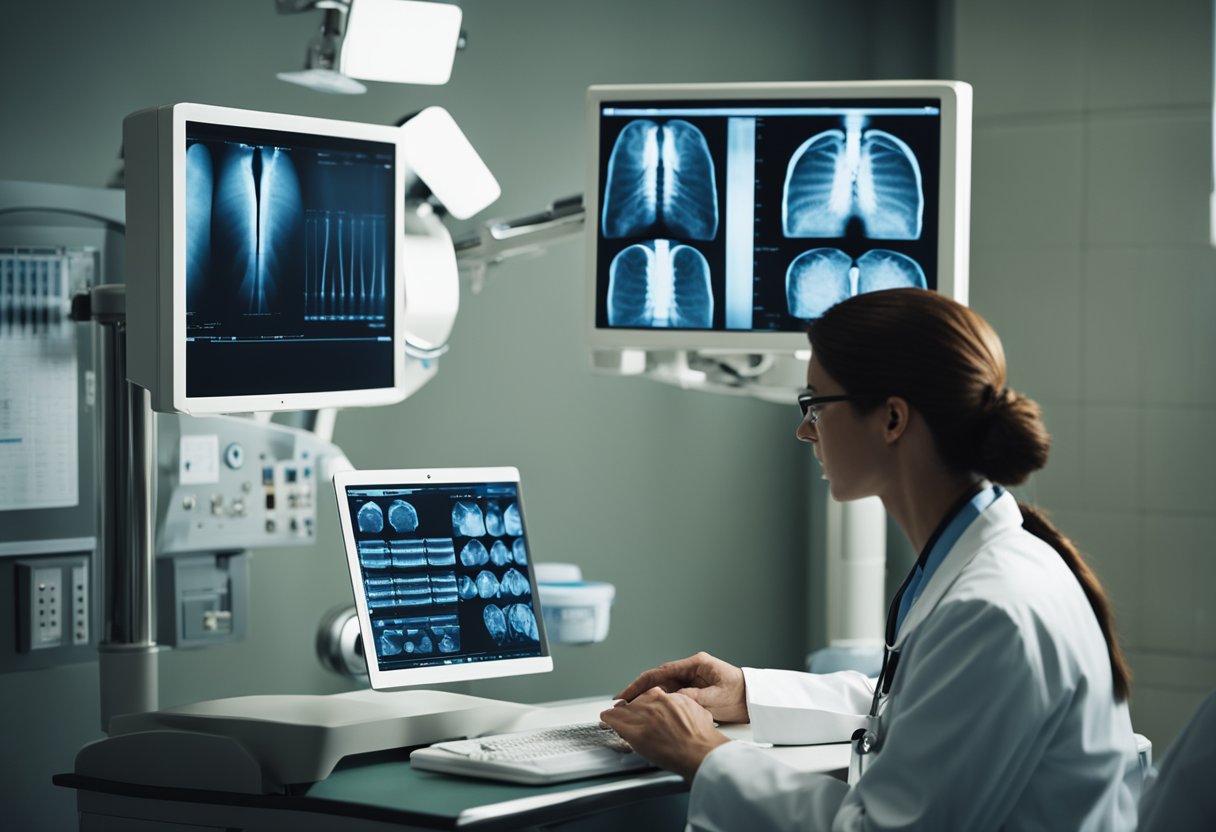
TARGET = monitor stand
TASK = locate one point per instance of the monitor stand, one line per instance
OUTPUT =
(262, 744)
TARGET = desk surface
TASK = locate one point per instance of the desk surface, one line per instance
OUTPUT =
(382, 787)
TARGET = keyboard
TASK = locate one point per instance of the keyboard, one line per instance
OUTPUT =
(551, 755)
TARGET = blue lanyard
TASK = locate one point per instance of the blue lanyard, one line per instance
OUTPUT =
(938, 547)
(948, 532)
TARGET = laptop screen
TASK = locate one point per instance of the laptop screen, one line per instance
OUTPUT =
(444, 574)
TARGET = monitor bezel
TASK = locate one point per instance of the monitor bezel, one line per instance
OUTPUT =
(415, 676)
(176, 153)
(954, 210)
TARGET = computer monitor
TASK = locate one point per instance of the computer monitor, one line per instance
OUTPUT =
(264, 260)
(440, 564)
(725, 216)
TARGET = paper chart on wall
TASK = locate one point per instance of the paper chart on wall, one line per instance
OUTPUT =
(39, 446)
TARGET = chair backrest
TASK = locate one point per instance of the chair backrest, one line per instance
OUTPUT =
(1181, 795)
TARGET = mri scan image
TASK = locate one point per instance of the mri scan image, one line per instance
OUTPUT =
(466, 589)
(373, 554)
(494, 518)
(390, 642)
(500, 555)
(520, 551)
(407, 553)
(474, 554)
(447, 633)
(443, 588)
(487, 584)
(522, 622)
(514, 583)
(440, 551)
(660, 284)
(496, 623)
(467, 520)
(838, 175)
(511, 522)
(413, 592)
(370, 518)
(402, 516)
(822, 277)
(660, 183)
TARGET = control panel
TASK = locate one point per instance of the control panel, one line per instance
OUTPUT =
(229, 483)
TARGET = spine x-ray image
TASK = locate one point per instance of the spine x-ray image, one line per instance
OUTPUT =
(822, 277)
(660, 284)
(660, 183)
(838, 175)
(244, 211)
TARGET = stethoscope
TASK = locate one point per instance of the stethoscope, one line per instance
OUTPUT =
(868, 740)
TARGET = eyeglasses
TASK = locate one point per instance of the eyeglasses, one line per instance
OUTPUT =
(810, 404)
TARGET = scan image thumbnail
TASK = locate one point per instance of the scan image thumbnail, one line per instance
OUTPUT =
(660, 284)
(467, 520)
(487, 584)
(520, 551)
(838, 175)
(511, 521)
(496, 623)
(374, 554)
(514, 583)
(474, 554)
(440, 551)
(660, 183)
(522, 622)
(402, 516)
(500, 555)
(370, 518)
(494, 518)
(407, 554)
(466, 589)
(822, 277)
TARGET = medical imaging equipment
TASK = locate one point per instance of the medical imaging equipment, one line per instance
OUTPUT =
(442, 576)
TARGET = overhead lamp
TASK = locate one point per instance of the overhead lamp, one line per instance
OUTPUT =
(396, 41)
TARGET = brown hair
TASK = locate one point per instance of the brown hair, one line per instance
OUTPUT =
(948, 364)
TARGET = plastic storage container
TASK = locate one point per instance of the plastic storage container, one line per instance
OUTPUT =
(575, 611)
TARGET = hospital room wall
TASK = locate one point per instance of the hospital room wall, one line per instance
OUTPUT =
(1090, 254)
(691, 504)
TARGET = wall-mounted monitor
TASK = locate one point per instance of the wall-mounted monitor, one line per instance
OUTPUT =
(264, 260)
(726, 216)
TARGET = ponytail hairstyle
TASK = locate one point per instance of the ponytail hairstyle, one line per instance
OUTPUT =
(948, 364)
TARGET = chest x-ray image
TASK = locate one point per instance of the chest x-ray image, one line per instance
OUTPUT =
(660, 284)
(661, 183)
(822, 277)
(853, 174)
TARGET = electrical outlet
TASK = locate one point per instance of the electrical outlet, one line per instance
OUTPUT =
(40, 607)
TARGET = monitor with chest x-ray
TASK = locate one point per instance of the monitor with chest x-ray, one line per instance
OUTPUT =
(726, 216)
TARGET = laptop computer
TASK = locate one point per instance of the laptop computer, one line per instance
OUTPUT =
(441, 569)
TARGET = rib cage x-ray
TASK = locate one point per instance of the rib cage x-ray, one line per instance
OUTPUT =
(838, 175)
(660, 284)
(660, 183)
(822, 277)
(243, 215)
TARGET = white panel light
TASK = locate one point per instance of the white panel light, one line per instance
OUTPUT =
(436, 149)
(400, 41)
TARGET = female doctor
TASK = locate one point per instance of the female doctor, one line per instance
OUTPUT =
(1003, 698)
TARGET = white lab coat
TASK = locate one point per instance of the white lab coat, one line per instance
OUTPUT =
(1001, 715)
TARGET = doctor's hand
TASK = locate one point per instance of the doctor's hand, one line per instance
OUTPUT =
(711, 683)
(668, 729)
